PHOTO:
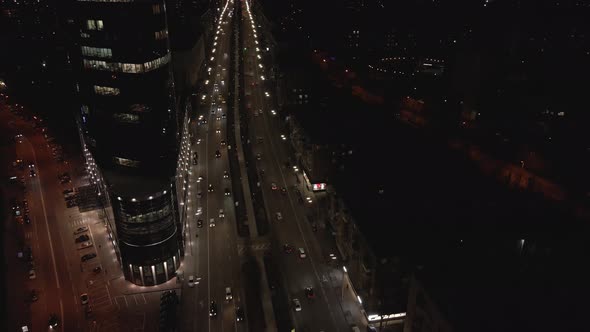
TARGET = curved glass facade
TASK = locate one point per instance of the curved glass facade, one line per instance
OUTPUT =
(129, 122)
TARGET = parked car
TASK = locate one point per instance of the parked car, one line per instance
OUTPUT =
(84, 299)
(88, 257)
(81, 230)
(82, 238)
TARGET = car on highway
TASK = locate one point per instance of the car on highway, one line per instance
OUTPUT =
(225, 174)
(258, 156)
(212, 222)
(34, 296)
(191, 281)
(218, 118)
(302, 253)
(222, 142)
(27, 219)
(88, 257)
(199, 223)
(32, 274)
(221, 213)
(53, 321)
(84, 299)
(223, 116)
(309, 292)
(239, 314)
(32, 173)
(81, 230)
(199, 211)
(200, 178)
(284, 191)
(259, 139)
(279, 216)
(227, 192)
(218, 131)
(297, 304)
(217, 154)
(82, 238)
(210, 188)
(273, 186)
(213, 309)
(228, 295)
(199, 141)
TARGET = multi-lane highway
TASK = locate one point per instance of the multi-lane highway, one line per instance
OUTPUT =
(212, 225)
(322, 311)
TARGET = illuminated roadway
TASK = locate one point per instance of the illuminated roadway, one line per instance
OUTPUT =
(323, 312)
(214, 252)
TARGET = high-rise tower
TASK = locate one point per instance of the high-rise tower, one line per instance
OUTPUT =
(131, 131)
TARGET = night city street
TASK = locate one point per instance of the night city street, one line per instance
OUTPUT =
(294, 166)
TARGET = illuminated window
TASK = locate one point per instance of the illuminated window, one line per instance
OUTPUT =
(90, 24)
(94, 24)
(106, 90)
(127, 67)
(126, 117)
(162, 34)
(126, 162)
(97, 52)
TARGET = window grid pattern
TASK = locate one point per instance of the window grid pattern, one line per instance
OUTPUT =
(126, 117)
(127, 67)
(97, 52)
(162, 34)
(126, 162)
(94, 25)
(106, 90)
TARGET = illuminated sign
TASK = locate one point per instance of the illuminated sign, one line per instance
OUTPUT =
(318, 186)
(373, 318)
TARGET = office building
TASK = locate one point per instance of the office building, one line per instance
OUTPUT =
(131, 132)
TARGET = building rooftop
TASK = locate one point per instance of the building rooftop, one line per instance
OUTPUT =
(135, 186)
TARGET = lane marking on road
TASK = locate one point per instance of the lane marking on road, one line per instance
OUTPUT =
(46, 222)
(275, 154)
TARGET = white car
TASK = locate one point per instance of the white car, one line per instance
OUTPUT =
(279, 216)
(212, 222)
(297, 304)
(191, 281)
(302, 253)
(84, 245)
(228, 295)
(199, 211)
(221, 214)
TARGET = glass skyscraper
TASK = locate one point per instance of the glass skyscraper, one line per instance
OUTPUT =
(131, 130)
